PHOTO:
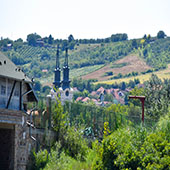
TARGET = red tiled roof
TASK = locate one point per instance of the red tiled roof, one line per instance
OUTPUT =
(94, 100)
(75, 89)
(79, 99)
(93, 93)
(101, 89)
(85, 99)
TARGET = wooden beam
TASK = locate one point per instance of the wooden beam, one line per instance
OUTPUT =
(9, 100)
(20, 97)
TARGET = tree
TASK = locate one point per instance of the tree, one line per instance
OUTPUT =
(161, 34)
(50, 39)
(157, 97)
(37, 86)
(5, 41)
(32, 38)
(18, 43)
(123, 85)
(144, 37)
(70, 38)
(134, 43)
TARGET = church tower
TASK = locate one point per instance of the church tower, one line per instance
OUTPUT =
(64, 89)
(66, 81)
(66, 92)
(57, 71)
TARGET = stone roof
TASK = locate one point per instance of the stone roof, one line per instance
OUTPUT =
(10, 70)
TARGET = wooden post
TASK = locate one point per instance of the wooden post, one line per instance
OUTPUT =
(142, 99)
(49, 110)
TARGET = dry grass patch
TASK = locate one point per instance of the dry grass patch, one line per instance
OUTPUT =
(126, 65)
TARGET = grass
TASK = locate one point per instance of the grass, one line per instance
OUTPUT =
(84, 70)
(67, 163)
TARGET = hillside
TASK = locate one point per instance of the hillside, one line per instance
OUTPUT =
(94, 59)
(162, 74)
(128, 64)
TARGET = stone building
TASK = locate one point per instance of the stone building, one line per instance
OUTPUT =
(15, 93)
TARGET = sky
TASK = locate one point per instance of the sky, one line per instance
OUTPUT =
(83, 18)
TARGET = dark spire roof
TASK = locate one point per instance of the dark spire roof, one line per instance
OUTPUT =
(66, 58)
(57, 81)
(66, 81)
(57, 58)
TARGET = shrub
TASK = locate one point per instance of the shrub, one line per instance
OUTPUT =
(73, 144)
(134, 149)
(38, 160)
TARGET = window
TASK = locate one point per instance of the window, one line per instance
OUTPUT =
(67, 93)
(3, 90)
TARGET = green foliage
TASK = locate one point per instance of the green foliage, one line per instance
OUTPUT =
(164, 125)
(109, 73)
(65, 162)
(118, 37)
(108, 97)
(133, 149)
(73, 144)
(106, 130)
(59, 120)
(161, 34)
(120, 75)
(157, 97)
(136, 92)
(50, 39)
(32, 38)
(156, 53)
(83, 84)
(38, 160)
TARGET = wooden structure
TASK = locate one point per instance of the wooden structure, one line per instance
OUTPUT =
(142, 99)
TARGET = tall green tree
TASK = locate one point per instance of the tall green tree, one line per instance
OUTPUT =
(32, 38)
(50, 39)
(70, 38)
(161, 34)
(157, 97)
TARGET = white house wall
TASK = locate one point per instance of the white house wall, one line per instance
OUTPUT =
(5, 91)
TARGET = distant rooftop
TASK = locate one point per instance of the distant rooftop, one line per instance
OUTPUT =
(10, 70)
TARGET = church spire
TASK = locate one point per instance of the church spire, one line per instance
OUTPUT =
(66, 58)
(57, 81)
(66, 81)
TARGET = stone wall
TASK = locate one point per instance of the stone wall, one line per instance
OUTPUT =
(25, 137)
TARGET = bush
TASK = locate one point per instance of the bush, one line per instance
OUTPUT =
(73, 144)
(134, 149)
(38, 160)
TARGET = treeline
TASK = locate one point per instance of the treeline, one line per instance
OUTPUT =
(35, 39)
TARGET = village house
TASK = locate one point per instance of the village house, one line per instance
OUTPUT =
(15, 93)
